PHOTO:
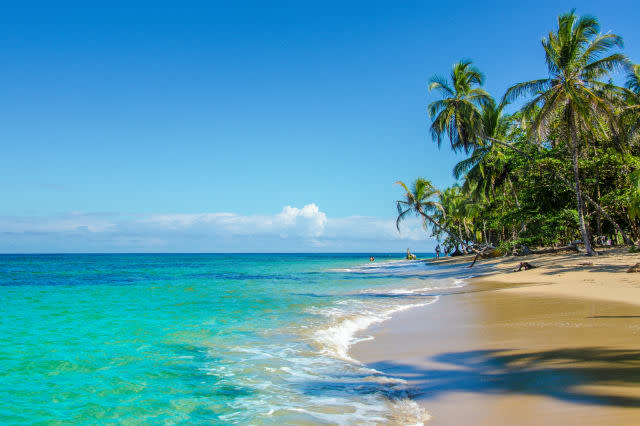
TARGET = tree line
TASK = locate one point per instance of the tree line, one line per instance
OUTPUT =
(563, 169)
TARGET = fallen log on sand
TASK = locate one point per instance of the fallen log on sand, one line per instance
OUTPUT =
(524, 251)
(526, 266)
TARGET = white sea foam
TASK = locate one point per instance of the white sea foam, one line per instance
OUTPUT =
(336, 339)
(385, 267)
(349, 318)
(313, 378)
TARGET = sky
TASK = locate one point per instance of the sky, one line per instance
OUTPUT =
(242, 126)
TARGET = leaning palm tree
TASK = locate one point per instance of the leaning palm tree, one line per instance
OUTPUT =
(456, 114)
(420, 200)
(423, 200)
(577, 58)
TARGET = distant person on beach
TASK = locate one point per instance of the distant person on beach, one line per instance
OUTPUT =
(438, 251)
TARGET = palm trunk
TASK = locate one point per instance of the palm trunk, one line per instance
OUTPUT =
(598, 216)
(568, 183)
(576, 174)
(451, 234)
(484, 232)
(576, 177)
(513, 190)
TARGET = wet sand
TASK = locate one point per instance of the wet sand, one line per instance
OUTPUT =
(525, 355)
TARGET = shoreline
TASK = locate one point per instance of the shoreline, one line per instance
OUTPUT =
(550, 345)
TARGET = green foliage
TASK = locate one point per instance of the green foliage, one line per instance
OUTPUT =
(633, 79)
(634, 195)
(577, 135)
(456, 115)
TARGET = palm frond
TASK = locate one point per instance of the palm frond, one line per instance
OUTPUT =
(526, 88)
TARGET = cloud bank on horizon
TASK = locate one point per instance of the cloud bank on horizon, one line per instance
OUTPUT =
(293, 229)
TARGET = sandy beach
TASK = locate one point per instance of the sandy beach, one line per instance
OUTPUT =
(559, 344)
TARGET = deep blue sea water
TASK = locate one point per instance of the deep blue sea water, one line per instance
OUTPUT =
(200, 338)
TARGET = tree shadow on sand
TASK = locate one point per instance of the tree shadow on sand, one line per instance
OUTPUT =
(558, 374)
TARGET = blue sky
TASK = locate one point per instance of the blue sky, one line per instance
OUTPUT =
(114, 117)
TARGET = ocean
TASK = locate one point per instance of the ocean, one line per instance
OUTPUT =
(202, 338)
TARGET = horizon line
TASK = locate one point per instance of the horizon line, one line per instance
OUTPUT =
(214, 252)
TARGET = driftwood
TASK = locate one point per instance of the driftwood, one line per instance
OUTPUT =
(549, 250)
(522, 251)
(487, 252)
(475, 259)
(526, 266)
(634, 268)
(571, 247)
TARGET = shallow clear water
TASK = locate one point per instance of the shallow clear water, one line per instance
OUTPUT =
(200, 338)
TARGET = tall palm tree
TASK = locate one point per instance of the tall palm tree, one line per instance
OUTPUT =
(456, 114)
(577, 58)
(449, 119)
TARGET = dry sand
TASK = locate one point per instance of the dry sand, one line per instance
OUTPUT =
(555, 345)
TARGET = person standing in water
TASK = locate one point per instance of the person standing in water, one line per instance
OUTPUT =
(438, 251)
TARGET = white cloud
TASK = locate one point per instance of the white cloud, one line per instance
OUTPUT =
(74, 221)
(308, 221)
(292, 229)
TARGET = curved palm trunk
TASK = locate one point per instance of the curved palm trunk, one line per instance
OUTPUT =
(569, 184)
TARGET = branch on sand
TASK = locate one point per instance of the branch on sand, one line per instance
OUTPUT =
(526, 266)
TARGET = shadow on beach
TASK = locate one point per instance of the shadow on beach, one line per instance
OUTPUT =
(561, 374)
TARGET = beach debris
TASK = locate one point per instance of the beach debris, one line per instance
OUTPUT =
(524, 250)
(634, 268)
(526, 266)
(410, 256)
(585, 263)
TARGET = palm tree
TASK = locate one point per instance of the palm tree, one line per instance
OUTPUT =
(458, 215)
(456, 115)
(633, 79)
(630, 115)
(486, 168)
(575, 63)
(423, 200)
(420, 200)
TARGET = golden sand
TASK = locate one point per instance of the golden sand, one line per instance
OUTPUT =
(505, 352)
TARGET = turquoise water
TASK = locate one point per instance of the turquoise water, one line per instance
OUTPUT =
(202, 338)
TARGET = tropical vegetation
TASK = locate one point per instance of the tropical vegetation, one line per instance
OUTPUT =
(563, 169)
